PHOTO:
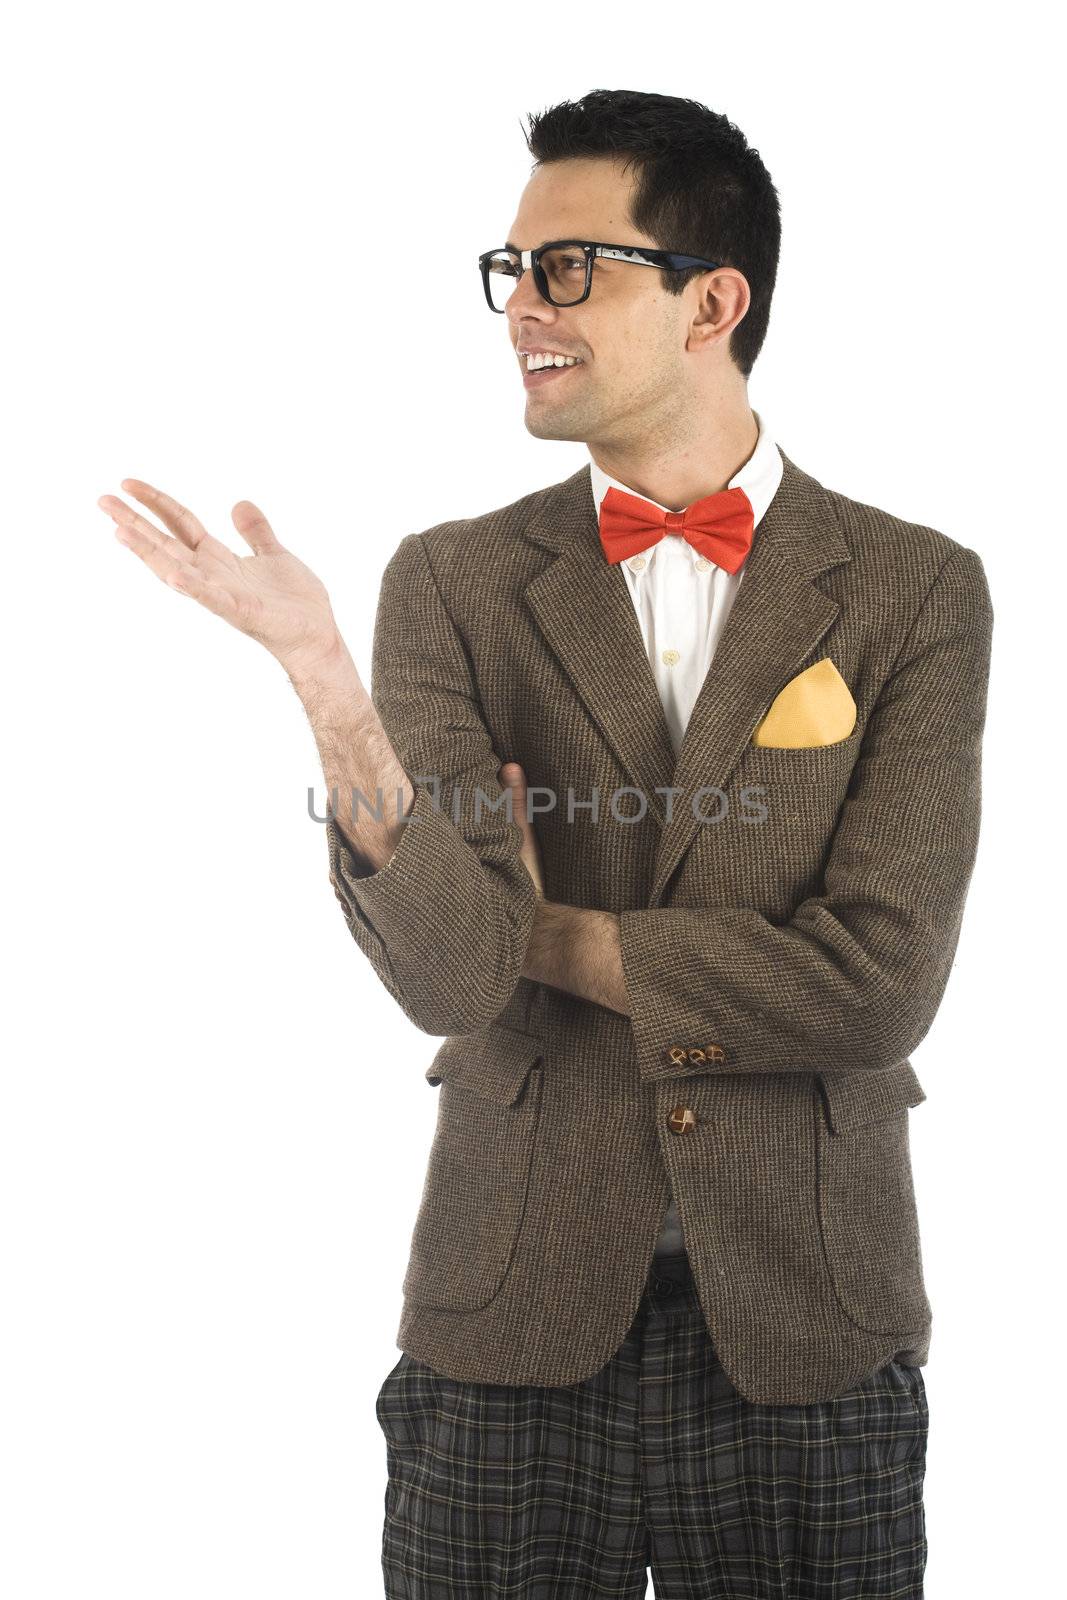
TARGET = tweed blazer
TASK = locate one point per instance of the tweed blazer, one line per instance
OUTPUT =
(788, 920)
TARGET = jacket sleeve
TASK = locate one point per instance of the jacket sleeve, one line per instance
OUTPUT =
(855, 978)
(446, 922)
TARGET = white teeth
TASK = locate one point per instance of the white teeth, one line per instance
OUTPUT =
(541, 359)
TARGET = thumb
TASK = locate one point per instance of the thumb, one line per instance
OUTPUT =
(254, 528)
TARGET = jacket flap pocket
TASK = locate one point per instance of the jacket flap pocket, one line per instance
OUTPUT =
(853, 1098)
(494, 1062)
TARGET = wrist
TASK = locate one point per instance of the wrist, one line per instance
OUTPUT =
(323, 665)
(375, 843)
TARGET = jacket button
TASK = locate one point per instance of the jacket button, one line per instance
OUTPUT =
(680, 1055)
(682, 1120)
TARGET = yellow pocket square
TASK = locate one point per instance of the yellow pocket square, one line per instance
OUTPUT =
(814, 708)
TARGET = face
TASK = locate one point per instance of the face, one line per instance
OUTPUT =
(634, 377)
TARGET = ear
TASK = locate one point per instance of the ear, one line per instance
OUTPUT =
(724, 299)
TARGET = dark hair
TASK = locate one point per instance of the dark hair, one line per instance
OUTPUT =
(700, 188)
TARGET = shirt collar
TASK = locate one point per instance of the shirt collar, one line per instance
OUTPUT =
(759, 477)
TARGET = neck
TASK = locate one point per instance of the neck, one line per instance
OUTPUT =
(697, 465)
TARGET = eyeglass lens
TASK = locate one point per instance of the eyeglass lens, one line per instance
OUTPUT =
(564, 268)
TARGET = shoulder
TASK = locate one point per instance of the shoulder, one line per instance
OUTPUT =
(876, 533)
(898, 561)
(489, 547)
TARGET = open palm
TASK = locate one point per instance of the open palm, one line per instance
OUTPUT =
(270, 595)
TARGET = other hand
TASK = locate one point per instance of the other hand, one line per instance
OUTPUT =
(514, 778)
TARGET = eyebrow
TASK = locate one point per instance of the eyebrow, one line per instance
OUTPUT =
(517, 248)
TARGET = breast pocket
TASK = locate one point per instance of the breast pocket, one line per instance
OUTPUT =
(784, 806)
(799, 784)
(474, 1195)
(866, 1197)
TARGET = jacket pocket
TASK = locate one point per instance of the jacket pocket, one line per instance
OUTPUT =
(474, 1195)
(812, 766)
(867, 1211)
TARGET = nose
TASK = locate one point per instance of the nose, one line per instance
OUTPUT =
(525, 300)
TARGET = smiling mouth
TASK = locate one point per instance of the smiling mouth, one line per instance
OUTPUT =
(537, 377)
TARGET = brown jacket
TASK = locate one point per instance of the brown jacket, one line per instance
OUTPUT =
(780, 971)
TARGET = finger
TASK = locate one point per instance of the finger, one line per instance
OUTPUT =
(178, 518)
(159, 557)
(207, 550)
(515, 779)
(254, 528)
(177, 568)
(137, 531)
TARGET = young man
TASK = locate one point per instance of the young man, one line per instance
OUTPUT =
(664, 1304)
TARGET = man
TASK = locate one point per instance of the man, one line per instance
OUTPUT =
(664, 1304)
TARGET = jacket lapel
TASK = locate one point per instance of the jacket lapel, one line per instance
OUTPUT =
(583, 607)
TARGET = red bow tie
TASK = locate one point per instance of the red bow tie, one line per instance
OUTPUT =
(719, 526)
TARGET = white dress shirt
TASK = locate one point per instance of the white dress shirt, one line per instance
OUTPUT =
(682, 602)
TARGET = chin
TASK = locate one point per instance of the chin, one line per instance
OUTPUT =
(543, 427)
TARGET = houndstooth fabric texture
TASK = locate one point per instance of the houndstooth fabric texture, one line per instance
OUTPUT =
(654, 1462)
(780, 971)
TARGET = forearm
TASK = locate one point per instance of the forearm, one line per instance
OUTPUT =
(357, 757)
(577, 950)
(443, 908)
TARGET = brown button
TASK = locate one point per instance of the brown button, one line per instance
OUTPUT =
(683, 1119)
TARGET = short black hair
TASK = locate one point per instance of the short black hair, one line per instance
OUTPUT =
(700, 189)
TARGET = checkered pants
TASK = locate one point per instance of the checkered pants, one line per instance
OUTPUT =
(539, 1493)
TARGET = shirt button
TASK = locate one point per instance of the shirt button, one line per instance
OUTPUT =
(670, 658)
(635, 563)
(682, 1119)
(701, 563)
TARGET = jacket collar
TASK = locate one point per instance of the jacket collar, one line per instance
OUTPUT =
(583, 607)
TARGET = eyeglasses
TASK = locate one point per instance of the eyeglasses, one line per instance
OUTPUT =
(563, 268)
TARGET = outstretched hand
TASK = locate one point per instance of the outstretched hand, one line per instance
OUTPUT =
(270, 595)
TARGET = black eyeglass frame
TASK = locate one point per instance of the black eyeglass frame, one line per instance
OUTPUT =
(639, 255)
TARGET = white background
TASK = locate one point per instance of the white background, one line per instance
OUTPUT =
(239, 261)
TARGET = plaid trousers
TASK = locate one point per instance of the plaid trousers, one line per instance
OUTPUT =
(654, 1462)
